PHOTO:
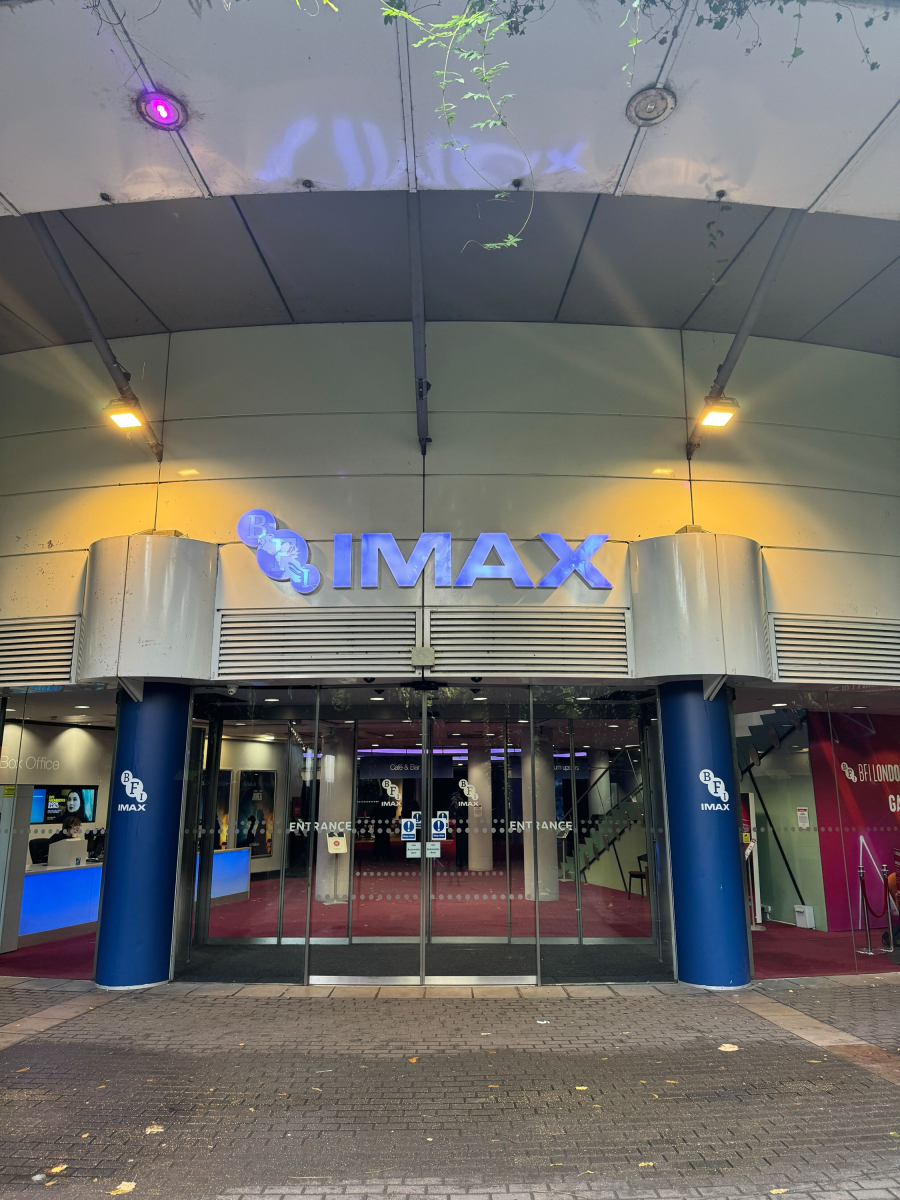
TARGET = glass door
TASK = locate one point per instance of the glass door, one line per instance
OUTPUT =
(429, 834)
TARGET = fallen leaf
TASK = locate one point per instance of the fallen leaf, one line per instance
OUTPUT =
(892, 1134)
(50, 1183)
(777, 1191)
(581, 1089)
(727, 1046)
(85, 1135)
(311, 1089)
(491, 1035)
(671, 1081)
(154, 1129)
(416, 1059)
(647, 1164)
(21, 1069)
(654, 1095)
(814, 1060)
(595, 1106)
(122, 1190)
(100, 1089)
(56, 1170)
(494, 1085)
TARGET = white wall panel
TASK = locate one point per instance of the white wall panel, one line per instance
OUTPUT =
(315, 508)
(66, 387)
(791, 385)
(37, 585)
(827, 583)
(74, 458)
(291, 369)
(525, 505)
(71, 519)
(311, 444)
(807, 518)
(523, 367)
(101, 628)
(554, 444)
(757, 453)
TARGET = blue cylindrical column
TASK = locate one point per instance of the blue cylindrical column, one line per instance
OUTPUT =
(137, 906)
(704, 836)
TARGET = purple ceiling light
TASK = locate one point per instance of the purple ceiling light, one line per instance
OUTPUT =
(161, 110)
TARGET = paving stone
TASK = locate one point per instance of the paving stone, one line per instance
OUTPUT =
(447, 992)
(589, 991)
(401, 992)
(494, 992)
(543, 993)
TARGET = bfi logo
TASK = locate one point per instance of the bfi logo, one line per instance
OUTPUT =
(282, 555)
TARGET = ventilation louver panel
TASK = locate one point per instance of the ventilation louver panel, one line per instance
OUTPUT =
(314, 643)
(37, 650)
(837, 650)
(574, 642)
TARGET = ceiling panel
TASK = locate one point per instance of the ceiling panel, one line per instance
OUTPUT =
(766, 129)
(191, 260)
(568, 108)
(870, 185)
(337, 256)
(868, 321)
(75, 132)
(317, 97)
(649, 262)
(829, 259)
(465, 282)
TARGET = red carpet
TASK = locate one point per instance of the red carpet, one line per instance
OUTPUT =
(69, 958)
(784, 951)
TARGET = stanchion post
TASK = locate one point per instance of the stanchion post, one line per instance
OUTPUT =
(887, 909)
(865, 907)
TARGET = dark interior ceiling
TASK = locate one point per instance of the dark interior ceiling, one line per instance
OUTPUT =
(342, 256)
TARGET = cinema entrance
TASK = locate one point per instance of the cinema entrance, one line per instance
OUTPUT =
(437, 835)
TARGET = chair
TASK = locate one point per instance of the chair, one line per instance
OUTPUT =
(641, 875)
(39, 849)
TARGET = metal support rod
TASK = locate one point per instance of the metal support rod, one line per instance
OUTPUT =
(208, 812)
(534, 843)
(776, 258)
(417, 306)
(887, 905)
(748, 321)
(313, 785)
(117, 372)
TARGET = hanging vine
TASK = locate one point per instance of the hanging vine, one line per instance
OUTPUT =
(467, 38)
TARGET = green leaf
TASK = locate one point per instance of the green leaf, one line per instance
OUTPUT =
(797, 52)
(634, 42)
(869, 23)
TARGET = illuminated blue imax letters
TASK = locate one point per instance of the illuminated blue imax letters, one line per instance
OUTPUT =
(284, 555)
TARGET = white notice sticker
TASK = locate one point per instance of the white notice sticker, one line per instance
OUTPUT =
(803, 818)
(413, 849)
(432, 849)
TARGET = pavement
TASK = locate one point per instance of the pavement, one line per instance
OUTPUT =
(789, 1087)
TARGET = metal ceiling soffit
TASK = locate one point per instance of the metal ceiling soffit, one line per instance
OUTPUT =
(744, 330)
(414, 234)
(117, 372)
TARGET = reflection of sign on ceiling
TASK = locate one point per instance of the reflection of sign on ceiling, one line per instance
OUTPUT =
(283, 555)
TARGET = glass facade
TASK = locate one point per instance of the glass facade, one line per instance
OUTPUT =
(455, 833)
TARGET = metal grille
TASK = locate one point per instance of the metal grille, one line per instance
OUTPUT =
(575, 642)
(837, 650)
(312, 643)
(37, 650)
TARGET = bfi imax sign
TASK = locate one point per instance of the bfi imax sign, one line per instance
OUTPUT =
(283, 555)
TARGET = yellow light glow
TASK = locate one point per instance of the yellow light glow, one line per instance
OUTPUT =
(125, 420)
(717, 419)
(188, 472)
(658, 471)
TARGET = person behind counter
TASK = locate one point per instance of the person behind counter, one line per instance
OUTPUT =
(71, 828)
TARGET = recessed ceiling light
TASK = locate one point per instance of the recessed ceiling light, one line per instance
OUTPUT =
(523, 721)
(348, 722)
(456, 735)
(464, 743)
(465, 720)
(388, 735)
(780, 704)
(860, 707)
(272, 700)
(268, 737)
(376, 697)
(484, 698)
(161, 111)
(612, 727)
(81, 706)
(240, 722)
(582, 697)
(374, 745)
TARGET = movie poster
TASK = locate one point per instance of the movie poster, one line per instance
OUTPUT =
(256, 812)
(50, 804)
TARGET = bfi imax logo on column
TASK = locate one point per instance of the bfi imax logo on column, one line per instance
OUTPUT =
(283, 555)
